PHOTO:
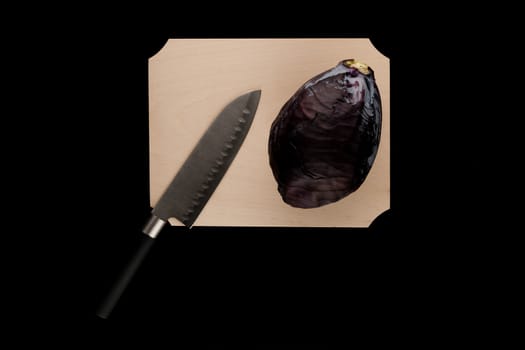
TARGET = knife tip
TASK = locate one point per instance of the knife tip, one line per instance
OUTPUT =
(256, 94)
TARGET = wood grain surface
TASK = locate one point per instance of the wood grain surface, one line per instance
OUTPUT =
(191, 80)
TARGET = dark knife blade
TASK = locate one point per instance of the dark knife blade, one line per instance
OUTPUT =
(202, 171)
(194, 184)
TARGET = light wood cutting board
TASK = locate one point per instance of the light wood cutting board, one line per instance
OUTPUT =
(191, 80)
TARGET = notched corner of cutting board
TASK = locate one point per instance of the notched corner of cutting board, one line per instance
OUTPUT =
(384, 218)
(371, 43)
(159, 50)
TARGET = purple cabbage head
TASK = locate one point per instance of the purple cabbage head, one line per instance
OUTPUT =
(325, 138)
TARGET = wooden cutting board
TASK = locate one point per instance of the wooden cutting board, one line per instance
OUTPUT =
(191, 80)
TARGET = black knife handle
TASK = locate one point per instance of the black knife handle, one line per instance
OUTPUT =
(125, 277)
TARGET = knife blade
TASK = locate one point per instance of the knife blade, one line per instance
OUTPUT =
(194, 183)
(206, 165)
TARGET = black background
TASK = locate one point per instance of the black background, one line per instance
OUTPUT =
(416, 262)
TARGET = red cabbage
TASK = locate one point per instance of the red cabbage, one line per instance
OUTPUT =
(325, 138)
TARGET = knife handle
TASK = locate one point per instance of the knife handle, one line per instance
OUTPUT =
(151, 230)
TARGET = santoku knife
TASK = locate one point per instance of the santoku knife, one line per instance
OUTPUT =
(197, 179)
